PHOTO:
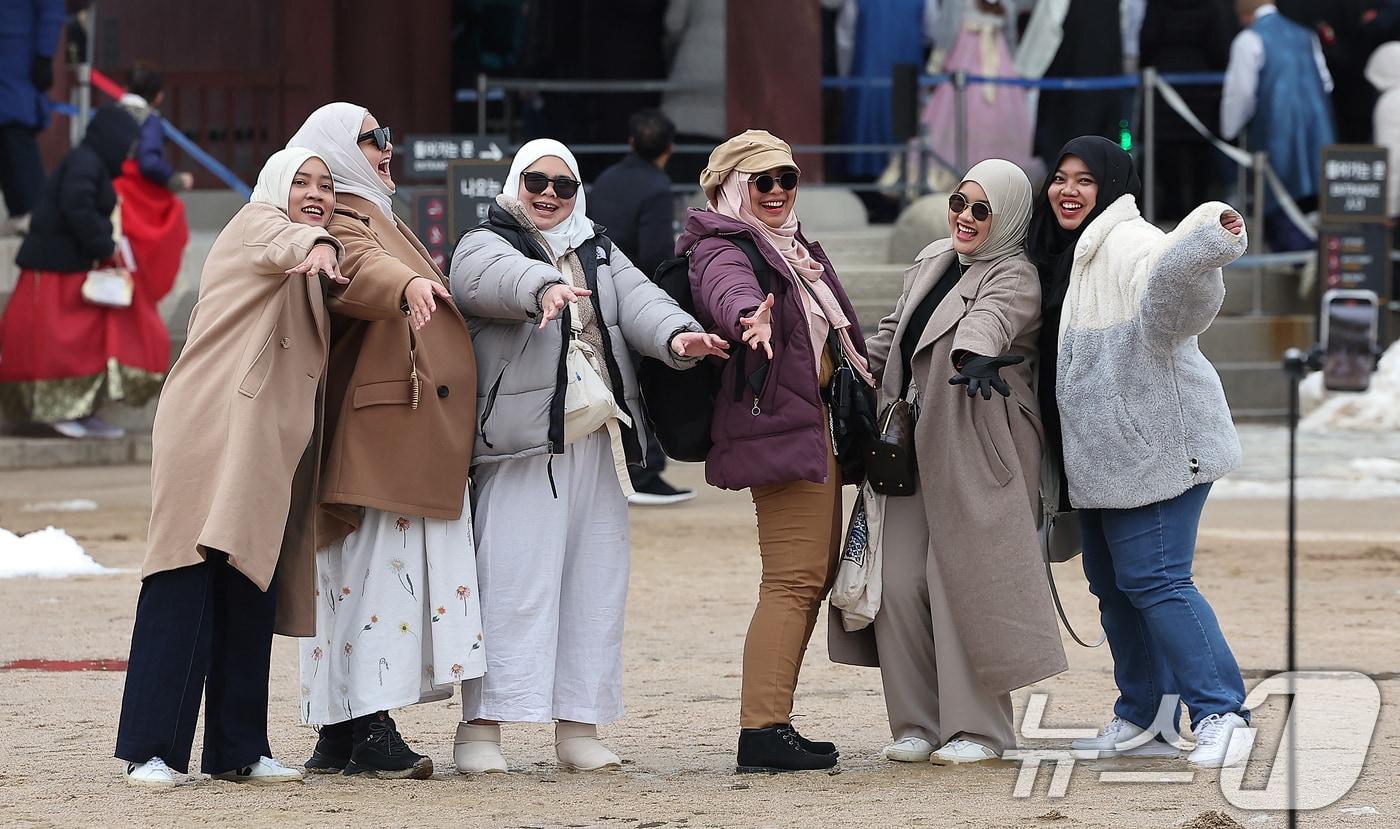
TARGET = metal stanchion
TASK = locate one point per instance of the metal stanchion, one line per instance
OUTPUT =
(481, 103)
(1256, 237)
(960, 120)
(1149, 143)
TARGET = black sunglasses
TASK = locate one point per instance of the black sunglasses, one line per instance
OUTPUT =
(765, 182)
(381, 136)
(564, 187)
(981, 211)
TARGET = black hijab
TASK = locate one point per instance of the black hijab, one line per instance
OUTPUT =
(1051, 248)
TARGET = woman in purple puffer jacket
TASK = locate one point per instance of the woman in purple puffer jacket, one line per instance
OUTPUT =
(773, 436)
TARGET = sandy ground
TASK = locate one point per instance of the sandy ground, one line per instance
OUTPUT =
(694, 577)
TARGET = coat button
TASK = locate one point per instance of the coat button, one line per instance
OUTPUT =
(443, 391)
(286, 342)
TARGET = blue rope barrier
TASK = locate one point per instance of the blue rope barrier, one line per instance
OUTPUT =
(1105, 82)
(193, 150)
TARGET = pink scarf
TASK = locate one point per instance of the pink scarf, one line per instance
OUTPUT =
(732, 200)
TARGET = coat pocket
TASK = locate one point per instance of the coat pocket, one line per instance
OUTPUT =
(257, 372)
(995, 460)
(389, 392)
(1127, 427)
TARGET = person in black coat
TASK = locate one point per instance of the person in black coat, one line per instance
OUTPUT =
(1187, 36)
(1092, 45)
(70, 229)
(632, 199)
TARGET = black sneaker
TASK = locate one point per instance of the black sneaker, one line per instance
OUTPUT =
(332, 752)
(379, 751)
(658, 493)
(814, 746)
(776, 748)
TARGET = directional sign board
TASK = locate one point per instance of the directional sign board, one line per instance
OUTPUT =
(427, 156)
(430, 222)
(1354, 184)
(472, 187)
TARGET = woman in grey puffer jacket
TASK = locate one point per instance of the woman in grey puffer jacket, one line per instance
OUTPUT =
(1144, 430)
(551, 514)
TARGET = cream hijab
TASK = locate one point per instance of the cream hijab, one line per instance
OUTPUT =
(573, 231)
(1009, 193)
(330, 133)
(274, 185)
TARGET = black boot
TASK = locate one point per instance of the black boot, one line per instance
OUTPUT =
(777, 748)
(379, 751)
(332, 752)
(814, 746)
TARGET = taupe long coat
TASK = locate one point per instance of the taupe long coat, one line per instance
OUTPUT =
(237, 429)
(979, 468)
(383, 452)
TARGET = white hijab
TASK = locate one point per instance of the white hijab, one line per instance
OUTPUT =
(274, 185)
(330, 132)
(573, 231)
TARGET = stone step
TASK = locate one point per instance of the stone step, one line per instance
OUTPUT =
(857, 248)
(1260, 291)
(1257, 339)
(1255, 390)
(47, 453)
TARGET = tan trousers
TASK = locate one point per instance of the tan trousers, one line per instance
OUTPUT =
(930, 689)
(799, 534)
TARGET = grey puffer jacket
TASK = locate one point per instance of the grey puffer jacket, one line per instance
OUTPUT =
(1142, 409)
(498, 276)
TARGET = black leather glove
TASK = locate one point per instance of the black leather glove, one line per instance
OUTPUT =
(41, 73)
(981, 374)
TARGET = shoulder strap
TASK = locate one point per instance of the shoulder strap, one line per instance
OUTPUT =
(1060, 609)
(761, 269)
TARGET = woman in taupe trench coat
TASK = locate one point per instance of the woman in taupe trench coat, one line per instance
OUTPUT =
(233, 465)
(965, 615)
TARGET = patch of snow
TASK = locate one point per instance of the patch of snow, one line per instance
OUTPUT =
(1309, 489)
(73, 505)
(1374, 410)
(49, 553)
(1359, 810)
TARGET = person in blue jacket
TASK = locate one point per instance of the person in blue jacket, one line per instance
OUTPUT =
(144, 95)
(29, 31)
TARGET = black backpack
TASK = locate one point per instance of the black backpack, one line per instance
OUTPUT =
(681, 404)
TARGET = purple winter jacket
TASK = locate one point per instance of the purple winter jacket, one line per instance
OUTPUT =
(778, 432)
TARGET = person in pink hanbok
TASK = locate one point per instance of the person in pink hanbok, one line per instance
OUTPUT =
(973, 36)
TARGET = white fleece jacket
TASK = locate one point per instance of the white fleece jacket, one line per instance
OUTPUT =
(1143, 413)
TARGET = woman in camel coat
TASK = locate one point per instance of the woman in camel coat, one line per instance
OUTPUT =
(233, 465)
(965, 615)
(398, 619)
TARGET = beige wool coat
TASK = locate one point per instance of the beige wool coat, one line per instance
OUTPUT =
(979, 468)
(237, 429)
(383, 451)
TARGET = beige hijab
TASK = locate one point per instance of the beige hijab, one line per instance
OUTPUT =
(1009, 193)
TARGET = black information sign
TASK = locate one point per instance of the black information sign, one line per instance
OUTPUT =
(472, 187)
(1354, 183)
(427, 156)
(1355, 257)
(430, 223)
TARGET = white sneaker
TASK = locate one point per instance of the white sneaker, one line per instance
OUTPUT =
(1222, 740)
(70, 429)
(578, 748)
(956, 752)
(266, 770)
(153, 773)
(477, 749)
(98, 428)
(1121, 738)
(908, 750)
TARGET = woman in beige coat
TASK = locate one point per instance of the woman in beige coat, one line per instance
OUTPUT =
(965, 615)
(232, 488)
(398, 619)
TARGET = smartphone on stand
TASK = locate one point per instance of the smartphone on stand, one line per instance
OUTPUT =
(1350, 329)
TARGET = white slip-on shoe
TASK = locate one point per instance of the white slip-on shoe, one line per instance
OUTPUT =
(477, 749)
(578, 748)
(153, 773)
(266, 770)
(1120, 738)
(70, 429)
(908, 750)
(959, 751)
(1222, 740)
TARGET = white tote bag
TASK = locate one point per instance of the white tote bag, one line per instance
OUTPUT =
(588, 405)
(856, 592)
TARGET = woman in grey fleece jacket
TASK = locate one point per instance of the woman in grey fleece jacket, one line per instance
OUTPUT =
(1145, 430)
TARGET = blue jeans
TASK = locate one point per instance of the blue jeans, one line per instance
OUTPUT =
(1163, 635)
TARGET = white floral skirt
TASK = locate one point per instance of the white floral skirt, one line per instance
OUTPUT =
(398, 620)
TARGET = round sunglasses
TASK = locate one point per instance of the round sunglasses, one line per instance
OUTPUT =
(981, 211)
(765, 182)
(380, 135)
(564, 187)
